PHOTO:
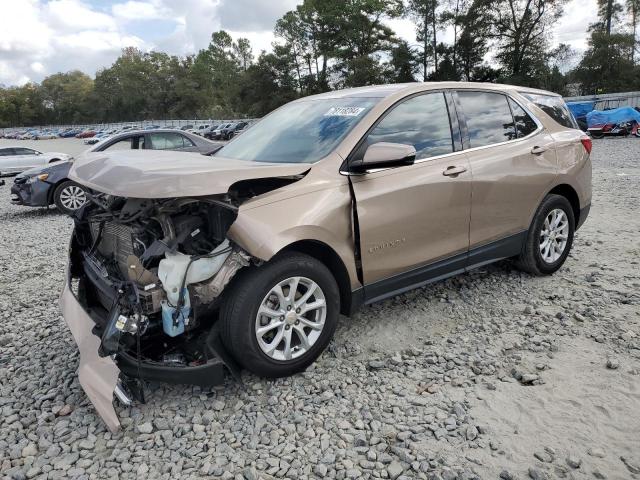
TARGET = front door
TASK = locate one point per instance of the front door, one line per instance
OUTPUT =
(412, 216)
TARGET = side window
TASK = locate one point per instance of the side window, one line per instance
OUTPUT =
(5, 152)
(124, 144)
(488, 118)
(524, 123)
(166, 141)
(421, 121)
(24, 151)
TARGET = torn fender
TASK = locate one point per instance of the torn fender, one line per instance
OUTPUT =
(167, 174)
(98, 375)
(324, 216)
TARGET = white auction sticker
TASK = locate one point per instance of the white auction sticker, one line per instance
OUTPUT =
(344, 111)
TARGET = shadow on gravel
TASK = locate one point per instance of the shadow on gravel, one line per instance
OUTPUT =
(34, 212)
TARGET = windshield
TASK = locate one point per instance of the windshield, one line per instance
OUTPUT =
(300, 132)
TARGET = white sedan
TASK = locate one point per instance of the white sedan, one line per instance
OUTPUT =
(17, 159)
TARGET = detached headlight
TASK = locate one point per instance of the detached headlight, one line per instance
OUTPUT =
(42, 177)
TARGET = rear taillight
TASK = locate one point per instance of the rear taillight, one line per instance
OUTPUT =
(586, 143)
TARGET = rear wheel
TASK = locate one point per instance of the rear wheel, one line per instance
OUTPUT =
(550, 237)
(278, 318)
(69, 197)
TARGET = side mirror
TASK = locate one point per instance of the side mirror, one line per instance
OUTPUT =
(385, 155)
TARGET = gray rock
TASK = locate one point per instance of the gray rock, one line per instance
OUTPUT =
(30, 450)
(596, 452)
(320, 470)
(574, 462)
(394, 469)
(544, 456)
(536, 474)
(633, 467)
(145, 427)
(472, 432)
(613, 363)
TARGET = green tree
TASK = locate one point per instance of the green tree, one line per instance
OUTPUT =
(633, 10)
(521, 28)
(472, 44)
(403, 64)
(424, 14)
(67, 96)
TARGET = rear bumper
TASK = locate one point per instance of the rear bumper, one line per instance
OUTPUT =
(584, 213)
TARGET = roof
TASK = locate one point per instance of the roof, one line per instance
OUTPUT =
(383, 91)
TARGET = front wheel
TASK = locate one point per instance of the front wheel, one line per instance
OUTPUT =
(69, 197)
(279, 317)
(550, 237)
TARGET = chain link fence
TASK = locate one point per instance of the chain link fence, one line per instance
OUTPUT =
(195, 124)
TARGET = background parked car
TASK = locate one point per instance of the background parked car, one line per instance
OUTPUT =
(86, 133)
(227, 133)
(44, 186)
(16, 159)
(208, 132)
(217, 133)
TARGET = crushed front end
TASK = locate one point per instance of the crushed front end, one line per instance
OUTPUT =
(144, 285)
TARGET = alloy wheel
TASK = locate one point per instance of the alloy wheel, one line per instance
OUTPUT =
(72, 197)
(554, 235)
(290, 318)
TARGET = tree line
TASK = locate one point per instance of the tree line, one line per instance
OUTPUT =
(329, 44)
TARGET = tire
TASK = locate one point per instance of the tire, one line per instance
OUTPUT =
(67, 197)
(254, 286)
(535, 258)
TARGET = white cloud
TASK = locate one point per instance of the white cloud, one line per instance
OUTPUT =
(73, 14)
(37, 67)
(134, 10)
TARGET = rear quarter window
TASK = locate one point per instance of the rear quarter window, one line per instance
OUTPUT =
(553, 106)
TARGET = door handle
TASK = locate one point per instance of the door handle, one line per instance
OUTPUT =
(454, 170)
(538, 150)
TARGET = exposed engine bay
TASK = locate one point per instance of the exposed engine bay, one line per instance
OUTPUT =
(150, 273)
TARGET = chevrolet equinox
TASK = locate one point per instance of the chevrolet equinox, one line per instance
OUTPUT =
(180, 264)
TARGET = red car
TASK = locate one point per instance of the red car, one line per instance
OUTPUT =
(86, 134)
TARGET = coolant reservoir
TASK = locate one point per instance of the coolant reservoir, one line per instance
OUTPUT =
(172, 269)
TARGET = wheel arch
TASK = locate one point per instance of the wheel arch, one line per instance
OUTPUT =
(53, 188)
(325, 254)
(567, 191)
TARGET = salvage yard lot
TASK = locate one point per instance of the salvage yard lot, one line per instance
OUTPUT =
(490, 372)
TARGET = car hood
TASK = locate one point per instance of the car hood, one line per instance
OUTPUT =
(49, 168)
(158, 174)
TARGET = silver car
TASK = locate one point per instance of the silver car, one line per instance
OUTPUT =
(18, 159)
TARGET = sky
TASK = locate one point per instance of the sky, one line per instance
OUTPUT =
(40, 37)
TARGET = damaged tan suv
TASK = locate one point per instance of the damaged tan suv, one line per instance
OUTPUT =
(182, 264)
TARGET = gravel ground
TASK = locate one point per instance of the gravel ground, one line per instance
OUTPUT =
(493, 374)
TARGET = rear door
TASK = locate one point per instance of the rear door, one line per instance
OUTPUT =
(512, 160)
(412, 216)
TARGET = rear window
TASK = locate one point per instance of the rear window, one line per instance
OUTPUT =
(554, 107)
